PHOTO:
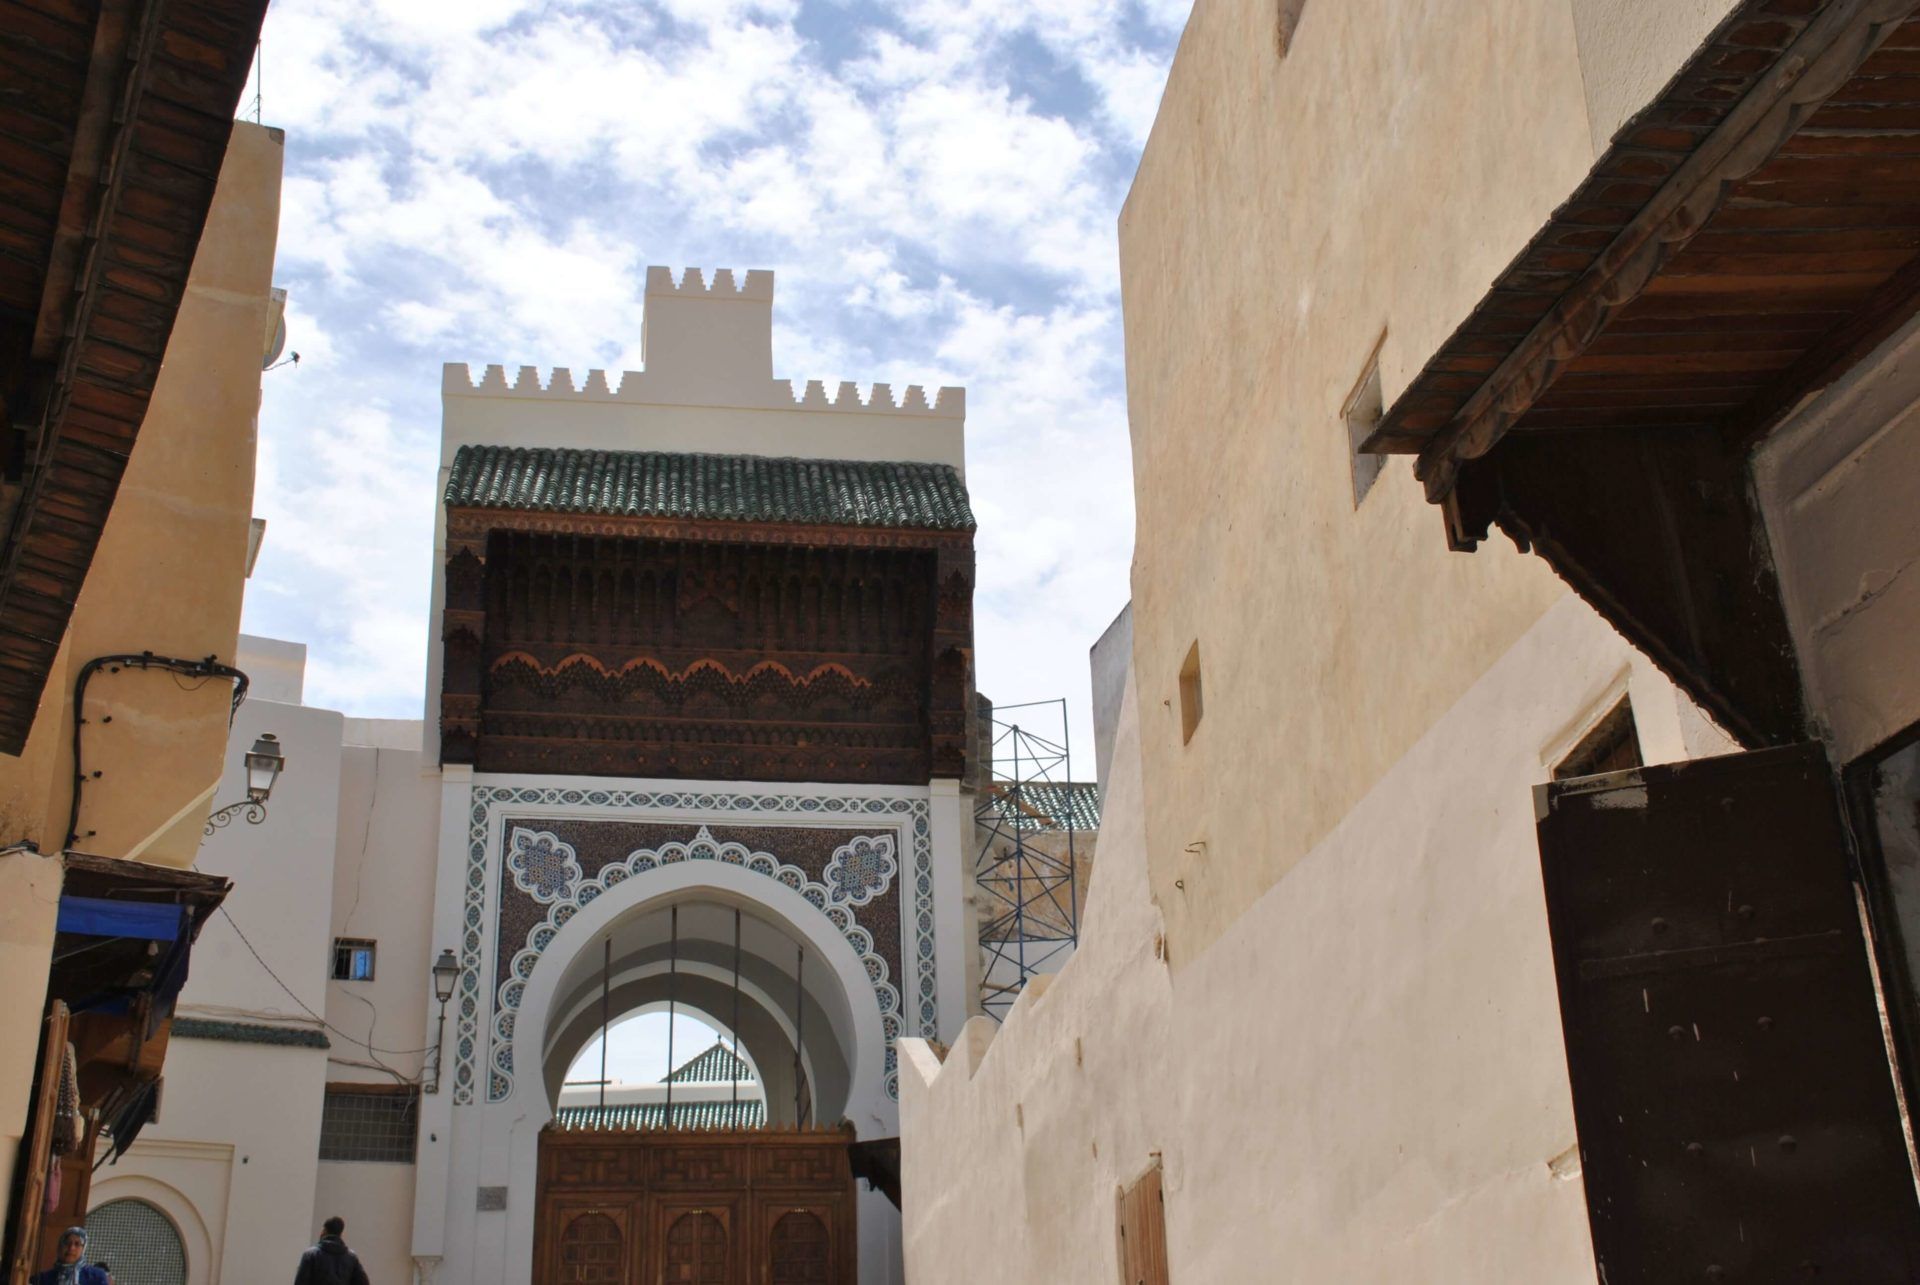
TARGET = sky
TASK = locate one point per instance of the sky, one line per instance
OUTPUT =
(637, 1048)
(935, 185)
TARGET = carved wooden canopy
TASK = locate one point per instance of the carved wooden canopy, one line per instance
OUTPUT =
(1748, 237)
(670, 644)
(114, 119)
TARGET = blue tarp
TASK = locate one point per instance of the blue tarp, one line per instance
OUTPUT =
(99, 917)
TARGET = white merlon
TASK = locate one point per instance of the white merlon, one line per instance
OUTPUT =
(457, 380)
(707, 385)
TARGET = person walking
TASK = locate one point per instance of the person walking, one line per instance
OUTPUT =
(67, 1268)
(329, 1262)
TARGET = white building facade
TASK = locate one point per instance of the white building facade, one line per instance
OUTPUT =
(697, 735)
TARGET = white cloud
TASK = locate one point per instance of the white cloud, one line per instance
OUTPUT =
(487, 180)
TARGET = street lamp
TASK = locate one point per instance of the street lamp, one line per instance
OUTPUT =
(264, 763)
(446, 971)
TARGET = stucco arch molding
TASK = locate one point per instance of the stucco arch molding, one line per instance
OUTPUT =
(541, 861)
(570, 898)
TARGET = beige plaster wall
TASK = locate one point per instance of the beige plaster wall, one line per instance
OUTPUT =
(1288, 215)
(1362, 1077)
(168, 572)
(172, 561)
(167, 577)
(29, 899)
(1292, 216)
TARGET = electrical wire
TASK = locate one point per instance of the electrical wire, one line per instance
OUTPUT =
(324, 1023)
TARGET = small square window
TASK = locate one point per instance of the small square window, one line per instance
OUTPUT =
(352, 960)
(1363, 411)
(1610, 745)
(1190, 702)
(1289, 22)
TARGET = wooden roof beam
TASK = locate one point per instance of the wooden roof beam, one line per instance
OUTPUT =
(1827, 53)
(107, 67)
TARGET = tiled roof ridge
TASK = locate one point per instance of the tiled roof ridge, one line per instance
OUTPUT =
(750, 1113)
(1041, 802)
(715, 1064)
(199, 1028)
(753, 488)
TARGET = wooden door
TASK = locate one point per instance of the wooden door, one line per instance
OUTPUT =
(590, 1247)
(685, 1207)
(800, 1247)
(1731, 1085)
(1141, 1224)
(696, 1245)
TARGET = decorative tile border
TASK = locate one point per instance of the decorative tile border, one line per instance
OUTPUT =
(714, 808)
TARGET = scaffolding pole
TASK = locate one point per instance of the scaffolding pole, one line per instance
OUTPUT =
(1029, 819)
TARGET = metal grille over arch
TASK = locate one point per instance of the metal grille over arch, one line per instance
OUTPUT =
(593, 1251)
(699, 1251)
(137, 1242)
(800, 1250)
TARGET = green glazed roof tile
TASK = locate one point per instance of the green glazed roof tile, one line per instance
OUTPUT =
(716, 1065)
(1044, 805)
(740, 488)
(751, 1114)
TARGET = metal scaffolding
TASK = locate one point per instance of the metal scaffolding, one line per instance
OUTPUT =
(1026, 819)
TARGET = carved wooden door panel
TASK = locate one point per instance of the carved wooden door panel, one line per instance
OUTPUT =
(698, 1247)
(800, 1248)
(591, 1248)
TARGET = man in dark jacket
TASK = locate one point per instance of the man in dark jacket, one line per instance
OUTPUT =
(67, 1268)
(330, 1262)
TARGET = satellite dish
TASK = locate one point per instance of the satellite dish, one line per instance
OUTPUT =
(279, 343)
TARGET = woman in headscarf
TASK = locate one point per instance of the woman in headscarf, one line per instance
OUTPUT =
(67, 1268)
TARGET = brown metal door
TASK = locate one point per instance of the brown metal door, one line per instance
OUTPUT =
(1730, 1080)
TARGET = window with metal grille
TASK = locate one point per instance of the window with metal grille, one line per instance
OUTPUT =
(368, 1124)
(352, 959)
(1610, 745)
(137, 1242)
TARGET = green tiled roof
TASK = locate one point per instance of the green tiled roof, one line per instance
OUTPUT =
(716, 1065)
(195, 1028)
(1047, 805)
(653, 1115)
(737, 488)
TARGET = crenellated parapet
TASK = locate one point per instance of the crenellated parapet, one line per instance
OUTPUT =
(633, 387)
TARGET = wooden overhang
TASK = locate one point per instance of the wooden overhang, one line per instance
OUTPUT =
(114, 120)
(1749, 236)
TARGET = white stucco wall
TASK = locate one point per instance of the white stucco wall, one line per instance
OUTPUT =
(1629, 49)
(382, 891)
(1839, 485)
(231, 1158)
(351, 830)
(1362, 1078)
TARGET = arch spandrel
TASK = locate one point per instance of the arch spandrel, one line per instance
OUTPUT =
(574, 953)
(865, 901)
